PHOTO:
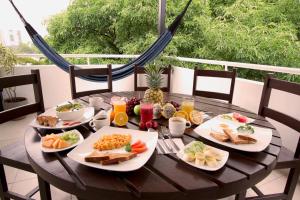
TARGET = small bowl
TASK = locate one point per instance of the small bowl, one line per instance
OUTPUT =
(70, 115)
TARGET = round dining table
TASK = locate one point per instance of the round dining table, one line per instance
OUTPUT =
(164, 176)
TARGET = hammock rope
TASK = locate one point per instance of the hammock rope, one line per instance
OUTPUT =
(117, 73)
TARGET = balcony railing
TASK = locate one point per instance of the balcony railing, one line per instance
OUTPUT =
(225, 64)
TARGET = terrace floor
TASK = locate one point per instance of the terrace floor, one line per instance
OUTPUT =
(22, 182)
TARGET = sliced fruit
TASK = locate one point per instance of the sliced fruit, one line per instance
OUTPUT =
(112, 116)
(242, 119)
(182, 114)
(196, 117)
(139, 150)
(121, 119)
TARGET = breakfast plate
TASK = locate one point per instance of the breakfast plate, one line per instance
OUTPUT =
(260, 138)
(87, 115)
(80, 152)
(212, 164)
(78, 140)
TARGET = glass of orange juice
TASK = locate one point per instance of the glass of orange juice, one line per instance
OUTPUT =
(187, 105)
(119, 106)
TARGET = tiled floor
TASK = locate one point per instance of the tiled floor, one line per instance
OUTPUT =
(22, 182)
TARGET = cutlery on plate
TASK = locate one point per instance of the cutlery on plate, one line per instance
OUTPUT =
(161, 136)
(166, 132)
(159, 147)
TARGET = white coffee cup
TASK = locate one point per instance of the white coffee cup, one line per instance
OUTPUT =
(177, 126)
(96, 102)
(100, 119)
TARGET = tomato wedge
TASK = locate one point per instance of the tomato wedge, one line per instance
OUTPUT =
(139, 150)
(137, 143)
(142, 144)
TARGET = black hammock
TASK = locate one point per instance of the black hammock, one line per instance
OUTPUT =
(117, 73)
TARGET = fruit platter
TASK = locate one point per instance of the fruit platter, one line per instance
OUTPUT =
(59, 142)
(203, 156)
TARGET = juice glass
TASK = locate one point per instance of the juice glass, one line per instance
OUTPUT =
(119, 106)
(187, 105)
(146, 111)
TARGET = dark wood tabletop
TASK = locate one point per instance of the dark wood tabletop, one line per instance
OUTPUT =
(163, 176)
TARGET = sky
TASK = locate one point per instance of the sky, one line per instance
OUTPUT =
(36, 12)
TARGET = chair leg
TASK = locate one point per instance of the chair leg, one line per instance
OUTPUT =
(3, 183)
(241, 195)
(291, 182)
(45, 191)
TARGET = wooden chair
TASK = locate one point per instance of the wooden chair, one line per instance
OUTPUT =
(14, 155)
(218, 74)
(141, 70)
(91, 71)
(286, 159)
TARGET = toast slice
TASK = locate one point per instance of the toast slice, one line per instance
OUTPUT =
(118, 157)
(230, 135)
(96, 157)
(250, 140)
(219, 136)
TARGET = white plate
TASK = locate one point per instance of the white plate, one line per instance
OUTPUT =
(81, 151)
(50, 150)
(262, 135)
(87, 116)
(221, 163)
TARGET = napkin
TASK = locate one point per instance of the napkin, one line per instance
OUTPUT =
(177, 141)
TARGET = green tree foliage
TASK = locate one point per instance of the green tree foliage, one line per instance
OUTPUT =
(251, 31)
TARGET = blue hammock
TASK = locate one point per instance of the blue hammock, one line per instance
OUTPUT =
(117, 73)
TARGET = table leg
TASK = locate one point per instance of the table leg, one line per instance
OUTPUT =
(241, 195)
(3, 183)
(45, 191)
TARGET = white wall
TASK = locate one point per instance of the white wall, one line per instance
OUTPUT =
(56, 89)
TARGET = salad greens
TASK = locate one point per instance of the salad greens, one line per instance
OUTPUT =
(70, 136)
(247, 129)
(69, 107)
(195, 147)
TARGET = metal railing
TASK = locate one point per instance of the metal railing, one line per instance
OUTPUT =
(225, 64)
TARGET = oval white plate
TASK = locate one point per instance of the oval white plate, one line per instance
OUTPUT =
(87, 116)
(221, 163)
(52, 150)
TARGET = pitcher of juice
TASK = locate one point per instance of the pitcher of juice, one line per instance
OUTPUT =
(146, 111)
(187, 105)
(119, 106)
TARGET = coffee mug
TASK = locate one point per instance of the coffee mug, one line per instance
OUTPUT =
(96, 102)
(177, 126)
(100, 122)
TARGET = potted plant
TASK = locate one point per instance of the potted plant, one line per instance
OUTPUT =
(7, 62)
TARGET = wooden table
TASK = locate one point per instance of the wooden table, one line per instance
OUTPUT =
(164, 176)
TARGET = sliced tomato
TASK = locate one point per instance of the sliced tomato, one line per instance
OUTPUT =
(140, 145)
(139, 150)
(136, 143)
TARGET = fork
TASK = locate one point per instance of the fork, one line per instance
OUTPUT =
(167, 133)
(161, 136)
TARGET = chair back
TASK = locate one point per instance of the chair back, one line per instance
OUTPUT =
(217, 74)
(85, 72)
(265, 111)
(18, 80)
(141, 70)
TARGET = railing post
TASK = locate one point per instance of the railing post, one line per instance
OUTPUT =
(88, 60)
(226, 67)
